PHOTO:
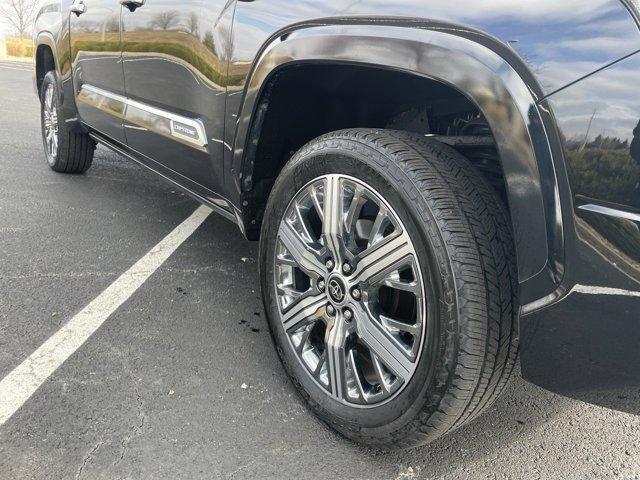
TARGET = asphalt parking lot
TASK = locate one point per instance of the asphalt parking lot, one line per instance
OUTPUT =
(181, 381)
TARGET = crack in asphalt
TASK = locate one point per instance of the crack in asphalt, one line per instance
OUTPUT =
(136, 429)
(87, 457)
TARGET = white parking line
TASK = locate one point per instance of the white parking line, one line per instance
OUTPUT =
(24, 380)
(595, 290)
(15, 68)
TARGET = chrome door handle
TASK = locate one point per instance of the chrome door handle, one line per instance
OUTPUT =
(78, 8)
(132, 4)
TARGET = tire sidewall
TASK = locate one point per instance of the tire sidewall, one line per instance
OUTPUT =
(426, 387)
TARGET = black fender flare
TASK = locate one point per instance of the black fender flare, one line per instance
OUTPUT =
(60, 48)
(46, 38)
(482, 68)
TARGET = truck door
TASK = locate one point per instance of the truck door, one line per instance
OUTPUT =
(175, 66)
(96, 52)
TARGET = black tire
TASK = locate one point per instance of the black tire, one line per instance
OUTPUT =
(466, 251)
(74, 152)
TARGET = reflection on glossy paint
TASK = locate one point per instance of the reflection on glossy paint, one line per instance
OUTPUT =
(175, 58)
(95, 56)
(560, 40)
(586, 346)
(184, 58)
(177, 36)
(599, 119)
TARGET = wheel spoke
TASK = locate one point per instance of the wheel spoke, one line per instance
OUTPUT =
(332, 216)
(356, 375)
(382, 377)
(48, 99)
(376, 261)
(321, 362)
(304, 339)
(306, 308)
(335, 338)
(302, 221)
(394, 281)
(391, 323)
(378, 227)
(303, 255)
(387, 351)
(315, 196)
(289, 291)
(357, 202)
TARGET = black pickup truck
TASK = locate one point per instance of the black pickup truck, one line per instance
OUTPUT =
(442, 190)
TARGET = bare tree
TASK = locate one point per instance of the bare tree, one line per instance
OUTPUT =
(193, 24)
(165, 20)
(111, 25)
(19, 14)
(586, 135)
(222, 40)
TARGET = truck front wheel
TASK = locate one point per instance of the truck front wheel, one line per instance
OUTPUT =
(66, 151)
(389, 281)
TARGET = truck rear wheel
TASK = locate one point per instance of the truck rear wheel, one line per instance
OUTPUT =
(66, 151)
(389, 281)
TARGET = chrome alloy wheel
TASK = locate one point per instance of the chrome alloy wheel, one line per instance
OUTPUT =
(50, 121)
(349, 289)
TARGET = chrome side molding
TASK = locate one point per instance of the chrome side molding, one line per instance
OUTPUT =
(101, 99)
(611, 212)
(186, 130)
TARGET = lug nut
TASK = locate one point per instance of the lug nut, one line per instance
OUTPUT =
(331, 310)
(346, 268)
(329, 264)
(348, 315)
(356, 293)
(321, 285)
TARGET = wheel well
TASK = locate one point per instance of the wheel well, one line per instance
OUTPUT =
(44, 63)
(304, 101)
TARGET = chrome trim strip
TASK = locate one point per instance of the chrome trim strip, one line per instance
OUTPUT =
(183, 129)
(176, 122)
(108, 102)
(542, 302)
(104, 93)
(577, 288)
(611, 212)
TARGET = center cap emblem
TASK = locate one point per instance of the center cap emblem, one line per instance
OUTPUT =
(336, 290)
